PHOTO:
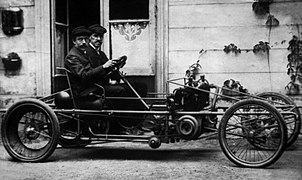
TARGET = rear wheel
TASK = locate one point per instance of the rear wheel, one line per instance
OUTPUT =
(30, 131)
(252, 133)
(284, 103)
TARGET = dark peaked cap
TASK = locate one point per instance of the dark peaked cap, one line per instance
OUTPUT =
(80, 31)
(97, 29)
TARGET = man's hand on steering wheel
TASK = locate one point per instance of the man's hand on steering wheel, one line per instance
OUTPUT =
(114, 65)
(109, 64)
(120, 62)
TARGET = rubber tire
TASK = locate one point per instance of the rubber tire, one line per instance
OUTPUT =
(222, 132)
(292, 137)
(9, 130)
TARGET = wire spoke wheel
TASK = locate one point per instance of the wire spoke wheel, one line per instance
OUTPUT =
(252, 133)
(284, 103)
(30, 131)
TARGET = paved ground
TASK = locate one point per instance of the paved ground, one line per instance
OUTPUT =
(201, 159)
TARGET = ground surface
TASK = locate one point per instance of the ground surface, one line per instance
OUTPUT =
(201, 159)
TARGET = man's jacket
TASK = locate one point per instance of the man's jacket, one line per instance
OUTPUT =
(85, 72)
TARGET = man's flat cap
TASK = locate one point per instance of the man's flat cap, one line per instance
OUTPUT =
(80, 31)
(97, 29)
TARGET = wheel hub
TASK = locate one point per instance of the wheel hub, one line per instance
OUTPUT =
(251, 133)
(31, 131)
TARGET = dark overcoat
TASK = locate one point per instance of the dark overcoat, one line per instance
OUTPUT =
(84, 72)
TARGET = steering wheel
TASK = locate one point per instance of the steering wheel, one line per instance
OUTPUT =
(120, 62)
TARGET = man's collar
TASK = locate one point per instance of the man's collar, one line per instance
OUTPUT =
(95, 48)
(81, 50)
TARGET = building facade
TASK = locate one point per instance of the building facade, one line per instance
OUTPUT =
(161, 38)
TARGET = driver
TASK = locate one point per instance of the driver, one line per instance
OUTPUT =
(99, 58)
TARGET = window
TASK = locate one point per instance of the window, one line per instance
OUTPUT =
(130, 32)
(128, 9)
(61, 32)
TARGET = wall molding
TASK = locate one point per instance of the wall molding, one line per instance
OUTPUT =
(43, 42)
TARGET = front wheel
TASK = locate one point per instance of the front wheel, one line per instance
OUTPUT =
(252, 133)
(30, 131)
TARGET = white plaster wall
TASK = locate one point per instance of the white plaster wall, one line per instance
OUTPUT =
(212, 24)
(22, 84)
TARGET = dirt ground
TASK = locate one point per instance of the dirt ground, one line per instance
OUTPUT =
(202, 159)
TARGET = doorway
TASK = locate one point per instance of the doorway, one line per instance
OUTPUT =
(131, 31)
